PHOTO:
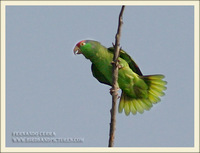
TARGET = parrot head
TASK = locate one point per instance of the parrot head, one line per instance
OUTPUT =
(86, 47)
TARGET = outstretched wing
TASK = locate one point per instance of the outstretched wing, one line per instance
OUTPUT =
(129, 60)
(99, 76)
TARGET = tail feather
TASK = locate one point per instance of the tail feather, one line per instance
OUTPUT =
(148, 103)
(139, 107)
(126, 108)
(156, 86)
(133, 108)
(144, 105)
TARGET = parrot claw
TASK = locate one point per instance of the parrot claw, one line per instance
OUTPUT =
(117, 64)
(112, 62)
(112, 91)
(120, 66)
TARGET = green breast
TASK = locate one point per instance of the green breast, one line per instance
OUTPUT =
(103, 63)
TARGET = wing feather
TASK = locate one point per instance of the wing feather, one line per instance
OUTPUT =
(129, 60)
(99, 76)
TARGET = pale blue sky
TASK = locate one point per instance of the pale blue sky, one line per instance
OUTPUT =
(48, 88)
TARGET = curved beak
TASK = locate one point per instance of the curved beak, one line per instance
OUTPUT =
(77, 50)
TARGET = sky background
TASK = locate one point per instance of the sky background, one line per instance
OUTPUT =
(50, 89)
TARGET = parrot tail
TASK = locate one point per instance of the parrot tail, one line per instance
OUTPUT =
(156, 86)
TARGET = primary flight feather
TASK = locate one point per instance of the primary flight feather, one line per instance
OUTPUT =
(139, 92)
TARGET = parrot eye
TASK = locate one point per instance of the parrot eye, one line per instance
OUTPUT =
(82, 44)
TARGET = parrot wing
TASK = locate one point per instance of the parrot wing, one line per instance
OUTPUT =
(99, 76)
(129, 60)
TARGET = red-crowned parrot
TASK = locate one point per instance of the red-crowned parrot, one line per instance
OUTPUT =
(139, 92)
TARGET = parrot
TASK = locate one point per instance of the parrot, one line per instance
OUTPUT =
(139, 92)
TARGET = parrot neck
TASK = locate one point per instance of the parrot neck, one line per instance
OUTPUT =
(94, 51)
(100, 55)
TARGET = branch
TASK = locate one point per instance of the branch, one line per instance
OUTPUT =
(114, 80)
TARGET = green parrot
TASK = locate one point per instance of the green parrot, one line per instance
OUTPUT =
(139, 92)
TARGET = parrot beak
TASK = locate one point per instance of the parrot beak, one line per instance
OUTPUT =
(77, 50)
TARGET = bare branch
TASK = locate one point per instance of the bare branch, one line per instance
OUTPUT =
(114, 80)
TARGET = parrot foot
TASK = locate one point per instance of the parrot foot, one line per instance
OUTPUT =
(112, 91)
(117, 64)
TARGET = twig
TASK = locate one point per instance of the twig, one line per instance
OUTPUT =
(114, 79)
